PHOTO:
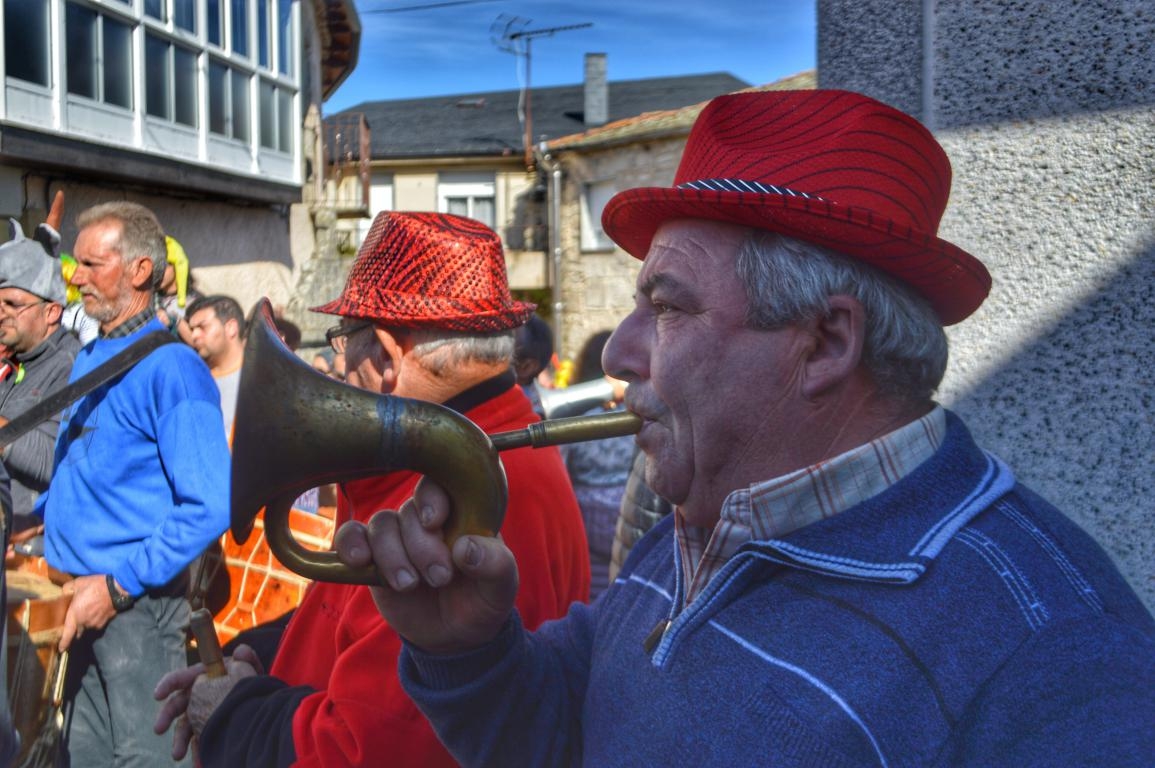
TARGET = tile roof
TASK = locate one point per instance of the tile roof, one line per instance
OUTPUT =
(670, 122)
(486, 124)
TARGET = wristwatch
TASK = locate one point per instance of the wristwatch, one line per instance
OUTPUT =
(120, 602)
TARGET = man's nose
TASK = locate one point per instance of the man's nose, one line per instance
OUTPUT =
(623, 357)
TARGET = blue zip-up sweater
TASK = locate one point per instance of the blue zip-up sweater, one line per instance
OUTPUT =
(956, 619)
(141, 479)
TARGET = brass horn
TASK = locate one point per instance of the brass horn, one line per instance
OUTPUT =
(296, 429)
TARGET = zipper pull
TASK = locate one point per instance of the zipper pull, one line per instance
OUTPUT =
(655, 636)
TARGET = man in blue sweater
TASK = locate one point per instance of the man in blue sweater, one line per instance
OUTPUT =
(140, 488)
(847, 580)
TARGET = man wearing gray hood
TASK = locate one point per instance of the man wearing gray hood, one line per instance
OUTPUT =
(40, 354)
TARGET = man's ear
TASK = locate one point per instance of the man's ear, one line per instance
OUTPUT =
(836, 351)
(392, 351)
(55, 312)
(140, 272)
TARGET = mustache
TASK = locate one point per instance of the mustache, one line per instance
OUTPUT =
(643, 404)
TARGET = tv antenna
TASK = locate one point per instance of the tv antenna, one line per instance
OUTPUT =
(509, 34)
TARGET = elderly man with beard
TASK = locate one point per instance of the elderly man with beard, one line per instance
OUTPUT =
(847, 578)
(140, 488)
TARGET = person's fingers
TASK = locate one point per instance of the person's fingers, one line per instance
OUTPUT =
(246, 654)
(491, 564)
(69, 633)
(389, 552)
(424, 545)
(177, 680)
(172, 710)
(182, 736)
(352, 544)
(432, 504)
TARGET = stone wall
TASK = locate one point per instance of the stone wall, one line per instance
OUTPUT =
(1047, 111)
(598, 286)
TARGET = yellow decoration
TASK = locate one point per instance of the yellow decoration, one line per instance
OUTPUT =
(176, 256)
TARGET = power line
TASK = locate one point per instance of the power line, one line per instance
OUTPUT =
(427, 6)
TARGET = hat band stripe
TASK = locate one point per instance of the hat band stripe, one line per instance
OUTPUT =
(739, 185)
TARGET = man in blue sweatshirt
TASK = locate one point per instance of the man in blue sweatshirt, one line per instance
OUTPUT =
(847, 579)
(140, 488)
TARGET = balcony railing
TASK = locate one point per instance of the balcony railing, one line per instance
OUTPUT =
(345, 160)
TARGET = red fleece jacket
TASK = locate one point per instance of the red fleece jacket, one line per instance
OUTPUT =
(339, 644)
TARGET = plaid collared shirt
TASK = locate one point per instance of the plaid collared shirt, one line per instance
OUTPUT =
(134, 323)
(776, 507)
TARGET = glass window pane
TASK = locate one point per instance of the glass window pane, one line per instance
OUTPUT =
(285, 117)
(156, 77)
(263, 32)
(155, 9)
(215, 21)
(268, 116)
(458, 206)
(185, 86)
(117, 63)
(483, 210)
(184, 15)
(218, 98)
(26, 40)
(81, 51)
(240, 101)
(240, 21)
(284, 36)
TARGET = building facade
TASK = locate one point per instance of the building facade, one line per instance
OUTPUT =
(195, 108)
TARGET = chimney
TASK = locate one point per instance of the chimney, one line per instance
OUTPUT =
(597, 95)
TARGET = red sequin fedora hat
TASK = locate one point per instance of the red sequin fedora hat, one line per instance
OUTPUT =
(830, 167)
(430, 270)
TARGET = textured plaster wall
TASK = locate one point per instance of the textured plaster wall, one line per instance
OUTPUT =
(598, 286)
(1047, 111)
(243, 252)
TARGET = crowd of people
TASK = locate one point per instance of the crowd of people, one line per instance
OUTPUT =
(801, 559)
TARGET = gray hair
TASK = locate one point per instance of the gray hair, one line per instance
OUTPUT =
(441, 351)
(789, 280)
(141, 233)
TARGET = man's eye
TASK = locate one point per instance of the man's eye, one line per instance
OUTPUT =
(661, 308)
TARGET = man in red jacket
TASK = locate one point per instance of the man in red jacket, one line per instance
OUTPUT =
(425, 314)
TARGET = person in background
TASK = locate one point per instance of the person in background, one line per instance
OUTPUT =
(175, 290)
(847, 579)
(533, 348)
(40, 355)
(598, 469)
(426, 314)
(139, 489)
(289, 333)
(216, 327)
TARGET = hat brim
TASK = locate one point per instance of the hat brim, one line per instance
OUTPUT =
(954, 282)
(446, 314)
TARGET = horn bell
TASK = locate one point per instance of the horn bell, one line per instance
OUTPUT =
(296, 429)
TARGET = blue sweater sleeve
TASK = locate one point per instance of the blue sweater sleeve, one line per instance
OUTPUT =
(516, 701)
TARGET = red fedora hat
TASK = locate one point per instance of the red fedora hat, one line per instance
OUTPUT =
(430, 270)
(830, 167)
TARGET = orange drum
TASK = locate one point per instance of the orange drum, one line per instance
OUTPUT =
(260, 589)
(35, 610)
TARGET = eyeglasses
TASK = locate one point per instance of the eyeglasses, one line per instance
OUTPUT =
(13, 308)
(337, 335)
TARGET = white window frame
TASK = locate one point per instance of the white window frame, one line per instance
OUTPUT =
(595, 195)
(471, 185)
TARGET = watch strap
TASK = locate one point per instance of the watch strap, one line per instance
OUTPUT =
(120, 601)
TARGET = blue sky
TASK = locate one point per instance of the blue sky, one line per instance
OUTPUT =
(457, 49)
